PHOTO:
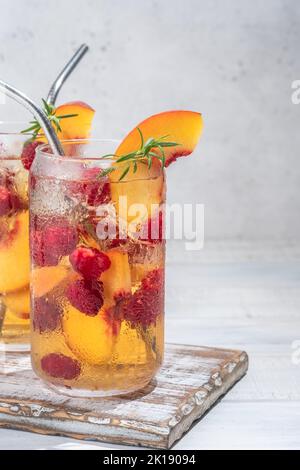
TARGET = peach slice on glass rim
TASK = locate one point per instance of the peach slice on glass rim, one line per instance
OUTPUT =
(77, 127)
(145, 187)
(182, 127)
(72, 128)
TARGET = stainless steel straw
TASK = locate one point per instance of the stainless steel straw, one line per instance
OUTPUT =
(38, 113)
(66, 71)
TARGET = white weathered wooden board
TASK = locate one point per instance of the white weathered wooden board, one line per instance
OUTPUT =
(189, 383)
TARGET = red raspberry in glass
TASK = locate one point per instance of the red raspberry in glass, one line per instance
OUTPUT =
(86, 296)
(117, 242)
(60, 366)
(154, 280)
(46, 315)
(9, 201)
(89, 262)
(62, 239)
(5, 201)
(49, 244)
(28, 154)
(94, 189)
(144, 306)
(98, 191)
(37, 248)
(121, 239)
(153, 230)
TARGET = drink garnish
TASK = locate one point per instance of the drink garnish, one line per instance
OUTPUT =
(50, 111)
(152, 148)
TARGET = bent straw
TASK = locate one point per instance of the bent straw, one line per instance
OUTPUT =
(38, 113)
(64, 74)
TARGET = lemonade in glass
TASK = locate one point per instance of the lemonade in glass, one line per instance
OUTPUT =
(98, 256)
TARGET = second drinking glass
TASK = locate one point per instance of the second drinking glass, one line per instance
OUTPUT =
(14, 238)
(97, 283)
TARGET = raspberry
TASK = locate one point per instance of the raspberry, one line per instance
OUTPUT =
(95, 190)
(60, 366)
(117, 242)
(61, 239)
(105, 196)
(144, 306)
(89, 262)
(28, 154)
(9, 201)
(46, 315)
(154, 280)
(51, 243)
(5, 201)
(37, 249)
(98, 192)
(86, 296)
(153, 230)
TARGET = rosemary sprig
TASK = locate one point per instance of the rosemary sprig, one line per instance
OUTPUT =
(106, 171)
(50, 112)
(152, 148)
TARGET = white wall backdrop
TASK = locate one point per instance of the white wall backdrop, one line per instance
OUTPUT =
(232, 60)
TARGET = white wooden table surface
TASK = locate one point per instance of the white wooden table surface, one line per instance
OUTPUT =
(235, 295)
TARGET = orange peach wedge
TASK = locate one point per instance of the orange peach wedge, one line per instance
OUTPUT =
(182, 127)
(90, 338)
(145, 186)
(44, 280)
(77, 127)
(18, 302)
(116, 280)
(13, 319)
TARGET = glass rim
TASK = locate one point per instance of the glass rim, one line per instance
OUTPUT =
(45, 150)
(10, 135)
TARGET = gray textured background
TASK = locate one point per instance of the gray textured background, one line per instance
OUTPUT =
(232, 60)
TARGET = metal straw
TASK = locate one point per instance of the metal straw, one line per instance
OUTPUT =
(38, 113)
(66, 71)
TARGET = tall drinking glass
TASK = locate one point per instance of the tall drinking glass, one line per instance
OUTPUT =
(14, 239)
(97, 285)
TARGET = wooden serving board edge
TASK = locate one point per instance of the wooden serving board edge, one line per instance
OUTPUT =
(218, 390)
(28, 415)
